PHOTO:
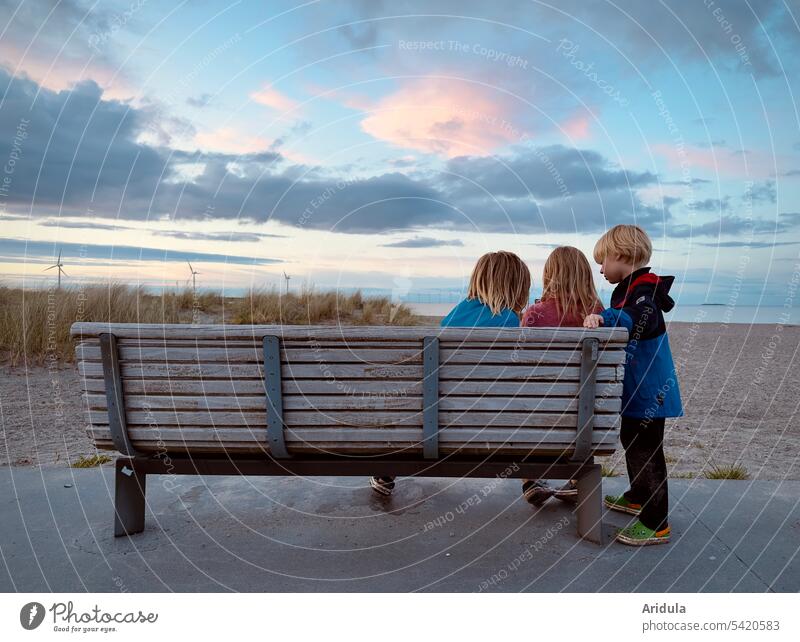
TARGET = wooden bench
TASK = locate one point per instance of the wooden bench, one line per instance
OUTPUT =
(329, 400)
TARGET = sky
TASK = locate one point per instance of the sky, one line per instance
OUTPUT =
(387, 145)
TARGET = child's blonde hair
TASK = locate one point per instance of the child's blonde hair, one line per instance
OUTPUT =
(567, 279)
(500, 280)
(628, 242)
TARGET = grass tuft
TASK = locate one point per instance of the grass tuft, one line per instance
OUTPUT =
(726, 472)
(92, 461)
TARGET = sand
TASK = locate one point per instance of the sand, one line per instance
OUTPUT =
(739, 384)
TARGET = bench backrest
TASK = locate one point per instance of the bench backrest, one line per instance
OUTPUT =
(408, 391)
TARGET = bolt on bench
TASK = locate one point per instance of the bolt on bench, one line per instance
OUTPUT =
(329, 400)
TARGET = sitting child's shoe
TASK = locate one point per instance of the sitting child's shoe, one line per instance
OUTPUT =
(536, 491)
(637, 534)
(568, 492)
(382, 485)
(622, 505)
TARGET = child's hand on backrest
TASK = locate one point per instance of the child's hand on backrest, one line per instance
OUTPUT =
(593, 321)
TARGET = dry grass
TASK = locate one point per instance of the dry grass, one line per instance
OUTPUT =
(726, 472)
(310, 307)
(91, 461)
(34, 324)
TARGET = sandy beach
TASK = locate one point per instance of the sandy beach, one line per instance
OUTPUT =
(739, 385)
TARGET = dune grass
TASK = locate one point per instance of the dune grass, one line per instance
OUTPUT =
(312, 307)
(34, 324)
(726, 472)
(90, 461)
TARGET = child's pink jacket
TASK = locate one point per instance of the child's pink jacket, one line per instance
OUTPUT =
(543, 314)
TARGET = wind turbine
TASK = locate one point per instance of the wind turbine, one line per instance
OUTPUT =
(58, 265)
(194, 279)
(287, 277)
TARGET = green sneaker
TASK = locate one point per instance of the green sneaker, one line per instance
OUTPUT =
(622, 505)
(637, 534)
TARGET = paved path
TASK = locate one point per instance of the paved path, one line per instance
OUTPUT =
(332, 534)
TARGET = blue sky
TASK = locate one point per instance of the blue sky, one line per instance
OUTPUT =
(389, 144)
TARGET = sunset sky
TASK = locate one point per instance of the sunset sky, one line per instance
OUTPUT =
(388, 144)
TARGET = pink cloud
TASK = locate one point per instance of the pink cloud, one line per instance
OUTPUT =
(445, 117)
(270, 97)
(230, 141)
(576, 128)
(62, 72)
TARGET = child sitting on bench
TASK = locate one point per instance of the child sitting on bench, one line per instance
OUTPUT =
(498, 292)
(568, 295)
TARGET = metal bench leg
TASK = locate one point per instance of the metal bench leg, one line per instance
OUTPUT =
(129, 498)
(590, 504)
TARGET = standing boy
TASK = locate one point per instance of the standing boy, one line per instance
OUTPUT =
(650, 389)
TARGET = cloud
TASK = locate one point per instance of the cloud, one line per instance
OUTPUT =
(81, 225)
(94, 166)
(272, 98)
(448, 117)
(73, 43)
(710, 204)
(78, 252)
(200, 101)
(423, 241)
(734, 225)
(750, 244)
(236, 237)
(762, 192)
(230, 140)
(553, 171)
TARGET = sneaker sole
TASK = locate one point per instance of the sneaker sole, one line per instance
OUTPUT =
(642, 542)
(622, 509)
(380, 489)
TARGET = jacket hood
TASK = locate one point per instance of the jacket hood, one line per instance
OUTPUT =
(660, 287)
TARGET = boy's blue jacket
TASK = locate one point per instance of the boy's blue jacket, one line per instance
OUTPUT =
(650, 388)
(471, 313)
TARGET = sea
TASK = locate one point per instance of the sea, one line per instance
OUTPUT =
(747, 314)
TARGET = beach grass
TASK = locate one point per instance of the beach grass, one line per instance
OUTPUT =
(726, 472)
(35, 324)
(90, 461)
(608, 471)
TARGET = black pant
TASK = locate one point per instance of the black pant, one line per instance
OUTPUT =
(643, 441)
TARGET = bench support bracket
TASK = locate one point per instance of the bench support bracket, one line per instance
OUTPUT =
(115, 400)
(272, 387)
(586, 400)
(430, 398)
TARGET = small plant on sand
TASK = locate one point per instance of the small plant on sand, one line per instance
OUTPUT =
(92, 461)
(609, 471)
(688, 475)
(726, 472)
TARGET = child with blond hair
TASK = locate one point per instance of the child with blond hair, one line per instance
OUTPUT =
(650, 391)
(499, 288)
(568, 295)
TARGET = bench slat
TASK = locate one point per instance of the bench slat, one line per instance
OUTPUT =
(134, 354)
(348, 402)
(338, 435)
(350, 371)
(257, 419)
(400, 333)
(363, 387)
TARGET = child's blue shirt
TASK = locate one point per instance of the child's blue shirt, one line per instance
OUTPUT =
(471, 313)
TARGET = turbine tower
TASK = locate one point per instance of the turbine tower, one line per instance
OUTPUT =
(287, 277)
(58, 265)
(194, 277)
